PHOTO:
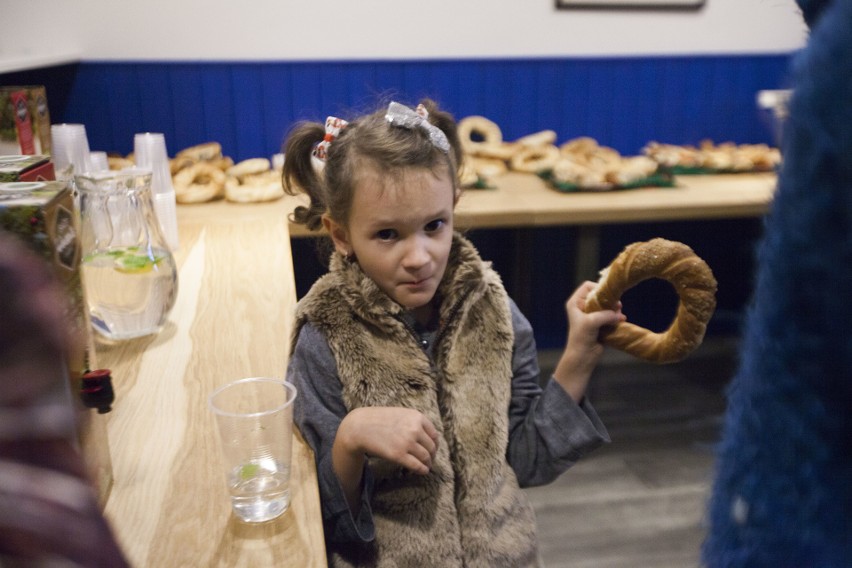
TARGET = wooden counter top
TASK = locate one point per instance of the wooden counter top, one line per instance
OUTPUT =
(524, 200)
(169, 505)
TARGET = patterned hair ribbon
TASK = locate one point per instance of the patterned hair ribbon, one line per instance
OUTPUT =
(401, 115)
(333, 126)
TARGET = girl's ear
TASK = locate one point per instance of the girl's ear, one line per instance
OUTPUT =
(339, 235)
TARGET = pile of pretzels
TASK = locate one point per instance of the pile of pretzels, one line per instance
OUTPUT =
(724, 157)
(580, 162)
(202, 173)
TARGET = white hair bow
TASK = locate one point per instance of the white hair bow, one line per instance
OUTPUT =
(401, 115)
(333, 126)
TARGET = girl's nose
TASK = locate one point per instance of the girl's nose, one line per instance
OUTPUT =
(416, 254)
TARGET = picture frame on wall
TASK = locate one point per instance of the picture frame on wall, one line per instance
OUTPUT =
(636, 4)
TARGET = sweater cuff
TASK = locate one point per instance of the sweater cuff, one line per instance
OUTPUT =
(587, 431)
(341, 524)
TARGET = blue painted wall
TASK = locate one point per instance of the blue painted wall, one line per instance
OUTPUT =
(622, 102)
(248, 107)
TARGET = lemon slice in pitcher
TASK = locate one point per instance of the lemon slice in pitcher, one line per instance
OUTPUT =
(134, 263)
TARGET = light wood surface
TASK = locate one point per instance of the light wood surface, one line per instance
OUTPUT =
(693, 197)
(169, 505)
(524, 200)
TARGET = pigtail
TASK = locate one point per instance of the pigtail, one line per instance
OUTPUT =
(299, 175)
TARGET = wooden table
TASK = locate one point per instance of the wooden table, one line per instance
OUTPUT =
(524, 201)
(169, 505)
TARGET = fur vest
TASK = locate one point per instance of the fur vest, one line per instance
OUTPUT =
(469, 510)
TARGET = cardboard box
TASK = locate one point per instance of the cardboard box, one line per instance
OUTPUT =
(26, 168)
(24, 120)
(43, 215)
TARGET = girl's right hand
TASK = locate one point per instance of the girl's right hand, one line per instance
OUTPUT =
(403, 436)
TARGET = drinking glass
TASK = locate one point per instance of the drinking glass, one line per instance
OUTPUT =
(255, 422)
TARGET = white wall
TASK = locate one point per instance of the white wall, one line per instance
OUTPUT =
(386, 29)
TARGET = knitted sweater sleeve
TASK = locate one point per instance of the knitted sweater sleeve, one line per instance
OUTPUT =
(548, 431)
(318, 411)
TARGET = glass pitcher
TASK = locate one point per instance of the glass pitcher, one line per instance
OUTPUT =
(128, 271)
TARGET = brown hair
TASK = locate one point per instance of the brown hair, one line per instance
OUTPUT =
(367, 142)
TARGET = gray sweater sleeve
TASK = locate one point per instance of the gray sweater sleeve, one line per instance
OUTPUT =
(318, 411)
(548, 431)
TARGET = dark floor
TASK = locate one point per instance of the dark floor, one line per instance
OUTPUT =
(639, 502)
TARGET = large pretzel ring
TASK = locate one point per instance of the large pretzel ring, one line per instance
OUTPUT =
(691, 278)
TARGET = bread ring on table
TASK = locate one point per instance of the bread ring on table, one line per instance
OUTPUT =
(581, 145)
(198, 183)
(222, 162)
(118, 163)
(535, 159)
(541, 138)
(503, 151)
(202, 152)
(632, 169)
(252, 166)
(266, 186)
(579, 173)
(467, 174)
(176, 164)
(477, 133)
(691, 278)
(487, 167)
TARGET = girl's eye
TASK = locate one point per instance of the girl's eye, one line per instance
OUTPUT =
(432, 226)
(386, 234)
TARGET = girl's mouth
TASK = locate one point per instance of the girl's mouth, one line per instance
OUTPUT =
(416, 283)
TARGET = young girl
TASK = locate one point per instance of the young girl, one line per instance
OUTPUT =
(417, 374)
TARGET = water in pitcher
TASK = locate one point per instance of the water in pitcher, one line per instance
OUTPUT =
(128, 272)
(130, 290)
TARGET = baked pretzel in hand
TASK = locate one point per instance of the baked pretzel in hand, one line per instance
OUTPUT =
(691, 278)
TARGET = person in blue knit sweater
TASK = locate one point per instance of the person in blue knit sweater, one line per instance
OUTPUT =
(783, 490)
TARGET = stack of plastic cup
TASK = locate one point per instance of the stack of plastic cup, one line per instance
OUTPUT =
(149, 150)
(69, 150)
(278, 162)
(99, 161)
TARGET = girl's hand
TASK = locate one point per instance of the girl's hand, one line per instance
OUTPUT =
(584, 329)
(583, 350)
(400, 435)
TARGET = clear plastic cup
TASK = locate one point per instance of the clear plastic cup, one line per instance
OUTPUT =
(149, 151)
(277, 162)
(99, 160)
(70, 150)
(255, 421)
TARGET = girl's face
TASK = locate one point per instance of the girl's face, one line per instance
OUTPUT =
(400, 232)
